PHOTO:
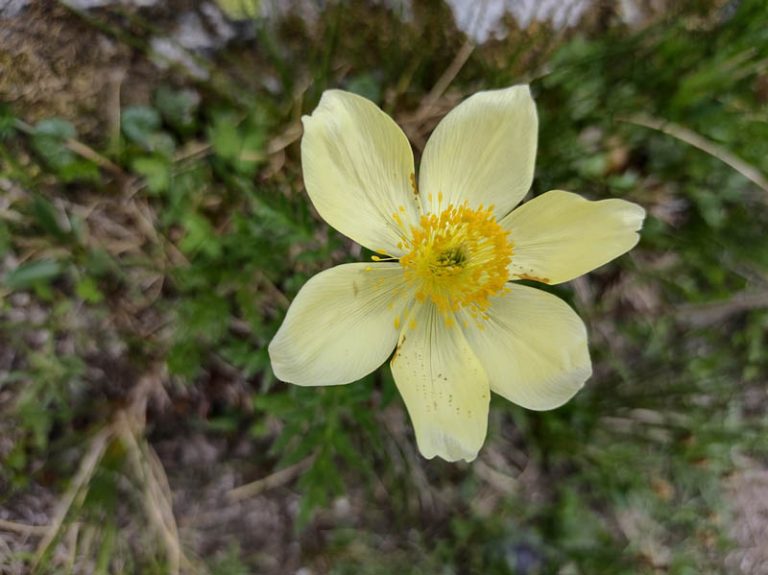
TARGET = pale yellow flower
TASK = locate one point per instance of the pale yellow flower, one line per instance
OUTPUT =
(442, 294)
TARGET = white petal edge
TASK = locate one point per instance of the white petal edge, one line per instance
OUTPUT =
(357, 166)
(559, 235)
(341, 326)
(444, 387)
(482, 152)
(533, 348)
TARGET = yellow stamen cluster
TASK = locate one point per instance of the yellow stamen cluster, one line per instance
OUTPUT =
(457, 258)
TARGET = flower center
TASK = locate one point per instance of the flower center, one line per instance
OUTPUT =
(457, 258)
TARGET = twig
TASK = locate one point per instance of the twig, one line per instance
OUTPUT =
(78, 148)
(700, 315)
(79, 483)
(157, 497)
(286, 138)
(23, 528)
(501, 481)
(271, 481)
(698, 141)
(444, 81)
(72, 535)
(90, 154)
(272, 289)
(193, 151)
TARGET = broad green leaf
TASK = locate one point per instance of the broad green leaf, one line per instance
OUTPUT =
(33, 273)
(139, 123)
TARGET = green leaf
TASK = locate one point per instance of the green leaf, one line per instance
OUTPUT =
(88, 290)
(367, 86)
(178, 107)
(5, 238)
(6, 121)
(225, 138)
(79, 170)
(185, 358)
(244, 355)
(155, 170)
(251, 152)
(240, 146)
(139, 124)
(240, 9)
(57, 128)
(49, 140)
(46, 217)
(206, 316)
(142, 126)
(200, 237)
(33, 273)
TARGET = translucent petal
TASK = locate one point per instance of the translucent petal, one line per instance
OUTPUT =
(559, 235)
(533, 348)
(341, 326)
(444, 387)
(483, 152)
(358, 171)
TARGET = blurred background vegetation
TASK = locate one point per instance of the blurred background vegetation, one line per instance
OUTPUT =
(154, 228)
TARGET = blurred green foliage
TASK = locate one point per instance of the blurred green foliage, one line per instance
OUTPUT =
(219, 237)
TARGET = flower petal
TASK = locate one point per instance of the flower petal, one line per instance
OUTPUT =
(533, 347)
(559, 235)
(444, 387)
(482, 152)
(358, 167)
(341, 326)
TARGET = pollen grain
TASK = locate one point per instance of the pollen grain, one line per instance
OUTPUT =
(457, 258)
